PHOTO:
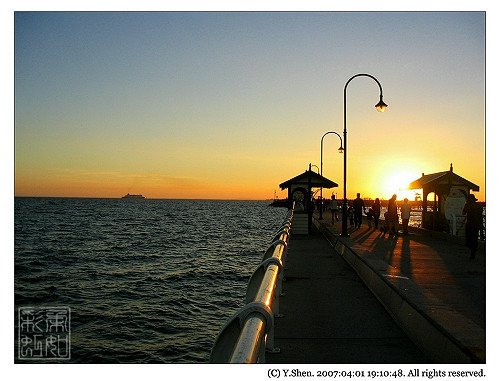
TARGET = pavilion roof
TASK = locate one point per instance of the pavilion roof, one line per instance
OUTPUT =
(442, 178)
(309, 177)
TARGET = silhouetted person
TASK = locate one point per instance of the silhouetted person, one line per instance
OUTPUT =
(358, 206)
(473, 224)
(405, 215)
(392, 215)
(334, 207)
(376, 212)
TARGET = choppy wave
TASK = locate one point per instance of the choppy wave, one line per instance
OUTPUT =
(147, 281)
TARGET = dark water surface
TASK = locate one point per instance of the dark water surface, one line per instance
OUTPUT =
(147, 281)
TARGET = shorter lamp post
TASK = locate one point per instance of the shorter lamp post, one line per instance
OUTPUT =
(341, 149)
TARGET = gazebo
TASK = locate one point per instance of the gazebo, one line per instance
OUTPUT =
(300, 191)
(450, 194)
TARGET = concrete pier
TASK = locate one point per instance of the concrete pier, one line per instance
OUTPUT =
(376, 298)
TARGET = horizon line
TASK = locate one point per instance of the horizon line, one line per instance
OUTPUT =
(198, 198)
(149, 198)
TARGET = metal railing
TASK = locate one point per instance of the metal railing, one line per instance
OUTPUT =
(247, 336)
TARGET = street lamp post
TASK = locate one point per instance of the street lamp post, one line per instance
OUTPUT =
(380, 106)
(341, 149)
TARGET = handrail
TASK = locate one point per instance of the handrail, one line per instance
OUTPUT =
(247, 335)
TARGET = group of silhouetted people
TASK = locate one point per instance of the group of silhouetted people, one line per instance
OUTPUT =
(472, 211)
(391, 218)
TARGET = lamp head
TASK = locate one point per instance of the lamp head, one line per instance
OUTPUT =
(341, 149)
(381, 106)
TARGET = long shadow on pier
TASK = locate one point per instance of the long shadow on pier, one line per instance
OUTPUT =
(440, 269)
(330, 316)
(426, 281)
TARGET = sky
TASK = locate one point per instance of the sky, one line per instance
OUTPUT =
(228, 105)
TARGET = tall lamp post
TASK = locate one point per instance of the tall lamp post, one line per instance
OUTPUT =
(341, 149)
(380, 106)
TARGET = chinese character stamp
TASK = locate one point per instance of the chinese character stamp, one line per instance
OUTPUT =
(44, 333)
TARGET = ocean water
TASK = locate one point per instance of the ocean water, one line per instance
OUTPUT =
(147, 281)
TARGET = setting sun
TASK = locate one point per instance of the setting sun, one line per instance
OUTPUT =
(396, 183)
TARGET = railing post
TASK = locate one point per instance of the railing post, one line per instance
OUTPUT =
(270, 342)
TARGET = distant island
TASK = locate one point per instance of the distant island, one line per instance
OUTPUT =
(128, 195)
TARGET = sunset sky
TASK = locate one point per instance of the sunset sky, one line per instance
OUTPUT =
(228, 105)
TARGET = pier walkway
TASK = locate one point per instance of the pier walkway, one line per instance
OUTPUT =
(434, 299)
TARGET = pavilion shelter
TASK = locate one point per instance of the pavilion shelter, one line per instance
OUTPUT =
(300, 190)
(450, 194)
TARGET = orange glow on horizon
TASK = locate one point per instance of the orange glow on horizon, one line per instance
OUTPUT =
(115, 185)
(397, 183)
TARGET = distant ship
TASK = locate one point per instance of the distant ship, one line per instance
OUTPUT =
(128, 195)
